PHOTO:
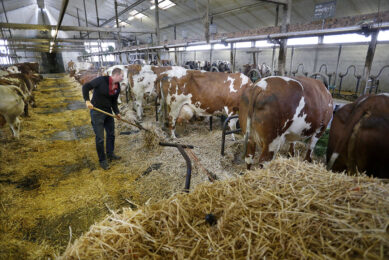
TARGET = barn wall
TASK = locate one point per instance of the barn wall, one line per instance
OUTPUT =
(350, 55)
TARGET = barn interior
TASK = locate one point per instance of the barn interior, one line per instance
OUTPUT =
(181, 202)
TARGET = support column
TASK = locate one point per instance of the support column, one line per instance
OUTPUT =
(274, 46)
(232, 57)
(369, 61)
(119, 47)
(157, 30)
(284, 28)
(78, 19)
(86, 17)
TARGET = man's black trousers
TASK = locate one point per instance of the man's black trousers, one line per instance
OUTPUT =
(100, 122)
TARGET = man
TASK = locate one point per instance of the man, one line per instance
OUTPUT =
(106, 90)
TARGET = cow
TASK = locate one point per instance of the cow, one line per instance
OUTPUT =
(358, 137)
(201, 93)
(281, 109)
(142, 80)
(25, 85)
(12, 102)
(124, 82)
(71, 66)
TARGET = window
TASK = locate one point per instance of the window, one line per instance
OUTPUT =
(162, 4)
(243, 45)
(93, 47)
(383, 35)
(4, 50)
(199, 47)
(220, 46)
(263, 44)
(303, 41)
(346, 38)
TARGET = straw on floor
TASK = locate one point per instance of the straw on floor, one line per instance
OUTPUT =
(291, 209)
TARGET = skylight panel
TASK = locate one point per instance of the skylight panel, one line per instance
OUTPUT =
(162, 4)
(136, 14)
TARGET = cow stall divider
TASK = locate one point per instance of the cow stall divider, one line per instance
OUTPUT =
(225, 132)
(357, 76)
(186, 152)
(374, 80)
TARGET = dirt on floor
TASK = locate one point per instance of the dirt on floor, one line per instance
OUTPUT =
(52, 188)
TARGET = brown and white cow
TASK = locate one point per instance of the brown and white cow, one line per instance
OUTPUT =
(142, 80)
(358, 138)
(12, 106)
(281, 109)
(202, 93)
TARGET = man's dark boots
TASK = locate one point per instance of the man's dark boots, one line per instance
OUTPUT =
(104, 165)
(112, 157)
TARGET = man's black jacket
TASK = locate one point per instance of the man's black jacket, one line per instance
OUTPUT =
(101, 98)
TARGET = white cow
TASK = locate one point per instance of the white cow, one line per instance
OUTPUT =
(12, 103)
(124, 82)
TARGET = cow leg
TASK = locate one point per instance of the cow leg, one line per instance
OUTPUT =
(311, 146)
(291, 149)
(26, 109)
(232, 126)
(266, 155)
(250, 153)
(14, 124)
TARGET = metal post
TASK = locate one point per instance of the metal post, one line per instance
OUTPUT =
(317, 53)
(157, 30)
(337, 66)
(210, 55)
(284, 28)
(117, 26)
(78, 19)
(369, 61)
(232, 58)
(98, 25)
(86, 17)
(291, 62)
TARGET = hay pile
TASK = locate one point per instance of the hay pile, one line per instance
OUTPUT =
(291, 209)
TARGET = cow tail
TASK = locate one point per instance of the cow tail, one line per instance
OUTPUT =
(249, 116)
(246, 136)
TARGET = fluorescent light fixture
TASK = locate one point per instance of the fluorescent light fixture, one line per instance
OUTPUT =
(383, 35)
(51, 43)
(131, 18)
(303, 41)
(199, 47)
(133, 12)
(52, 33)
(263, 44)
(346, 38)
(243, 45)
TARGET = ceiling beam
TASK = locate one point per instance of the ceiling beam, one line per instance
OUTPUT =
(20, 26)
(44, 50)
(15, 39)
(279, 2)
